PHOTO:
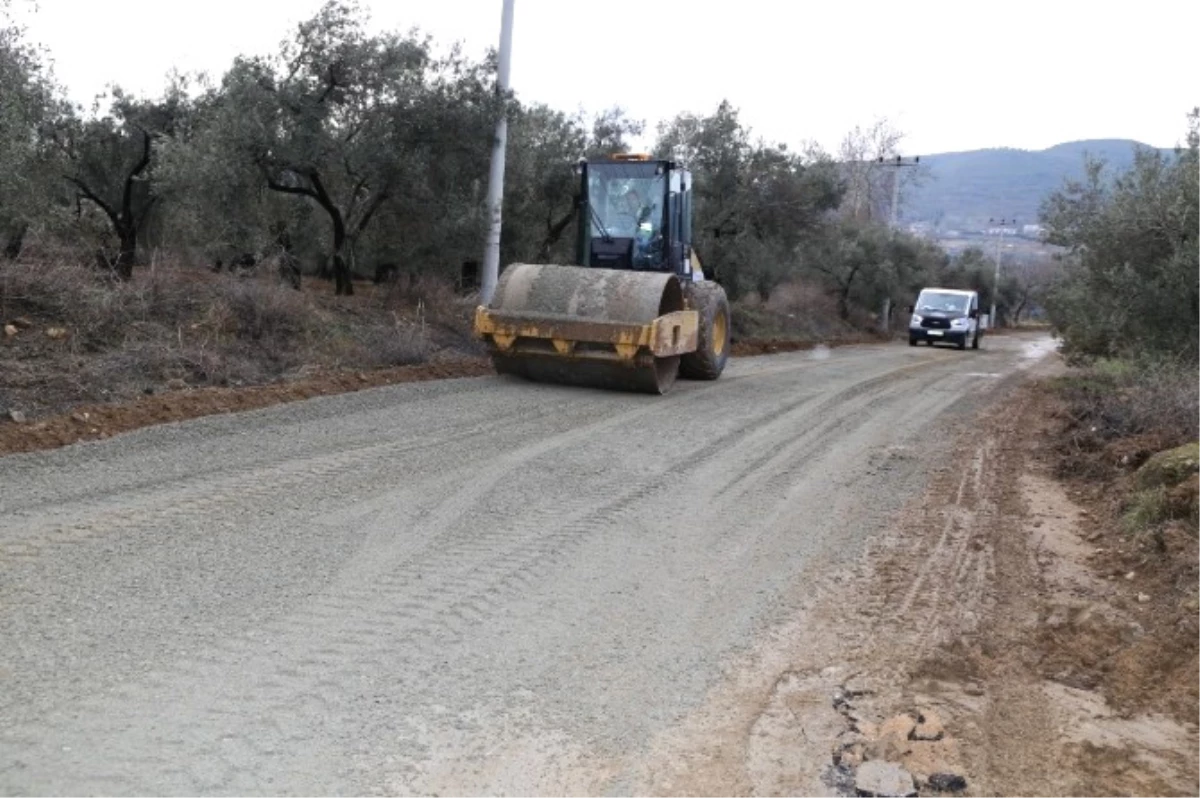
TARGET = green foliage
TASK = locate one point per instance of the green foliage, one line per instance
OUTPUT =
(109, 162)
(754, 203)
(27, 161)
(866, 264)
(1130, 283)
(367, 128)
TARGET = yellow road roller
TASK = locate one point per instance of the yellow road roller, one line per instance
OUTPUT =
(635, 310)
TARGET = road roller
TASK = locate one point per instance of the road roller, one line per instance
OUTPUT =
(635, 311)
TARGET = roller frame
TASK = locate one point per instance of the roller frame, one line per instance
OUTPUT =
(669, 335)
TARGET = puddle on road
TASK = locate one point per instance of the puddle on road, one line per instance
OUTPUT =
(1033, 351)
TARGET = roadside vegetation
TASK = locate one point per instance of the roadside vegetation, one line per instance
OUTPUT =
(1126, 305)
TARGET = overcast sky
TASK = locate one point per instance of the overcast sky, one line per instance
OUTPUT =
(953, 76)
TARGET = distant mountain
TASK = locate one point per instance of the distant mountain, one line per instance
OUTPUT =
(965, 189)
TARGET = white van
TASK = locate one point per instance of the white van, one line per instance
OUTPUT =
(945, 315)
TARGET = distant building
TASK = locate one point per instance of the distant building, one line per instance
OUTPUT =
(1033, 230)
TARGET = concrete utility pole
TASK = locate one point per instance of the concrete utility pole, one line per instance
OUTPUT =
(885, 318)
(495, 195)
(1003, 224)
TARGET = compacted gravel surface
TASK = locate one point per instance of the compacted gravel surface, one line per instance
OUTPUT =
(473, 585)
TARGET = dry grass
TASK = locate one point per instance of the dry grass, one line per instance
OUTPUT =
(173, 325)
(1116, 416)
(1121, 399)
(796, 310)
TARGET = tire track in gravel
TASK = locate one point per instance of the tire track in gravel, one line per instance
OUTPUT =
(285, 702)
(387, 604)
(236, 491)
(875, 415)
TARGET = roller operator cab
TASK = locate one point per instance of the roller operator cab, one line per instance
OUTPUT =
(635, 310)
(945, 315)
(636, 214)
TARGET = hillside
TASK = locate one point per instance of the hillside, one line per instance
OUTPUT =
(964, 189)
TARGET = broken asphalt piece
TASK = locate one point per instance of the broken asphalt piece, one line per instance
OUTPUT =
(881, 779)
(947, 782)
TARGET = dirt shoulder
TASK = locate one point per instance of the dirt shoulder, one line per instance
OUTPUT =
(1005, 637)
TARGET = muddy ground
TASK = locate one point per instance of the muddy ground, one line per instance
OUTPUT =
(1004, 638)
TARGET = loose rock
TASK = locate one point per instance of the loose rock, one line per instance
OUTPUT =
(10, 330)
(883, 779)
(947, 782)
(17, 416)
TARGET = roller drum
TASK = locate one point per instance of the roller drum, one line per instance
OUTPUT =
(546, 293)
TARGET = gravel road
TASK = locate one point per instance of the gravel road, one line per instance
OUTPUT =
(477, 585)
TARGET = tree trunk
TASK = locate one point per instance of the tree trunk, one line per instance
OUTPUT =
(554, 231)
(844, 302)
(16, 241)
(343, 286)
(128, 253)
(341, 276)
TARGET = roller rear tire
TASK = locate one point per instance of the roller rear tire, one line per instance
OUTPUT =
(712, 350)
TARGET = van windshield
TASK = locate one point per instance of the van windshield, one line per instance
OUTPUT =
(946, 303)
